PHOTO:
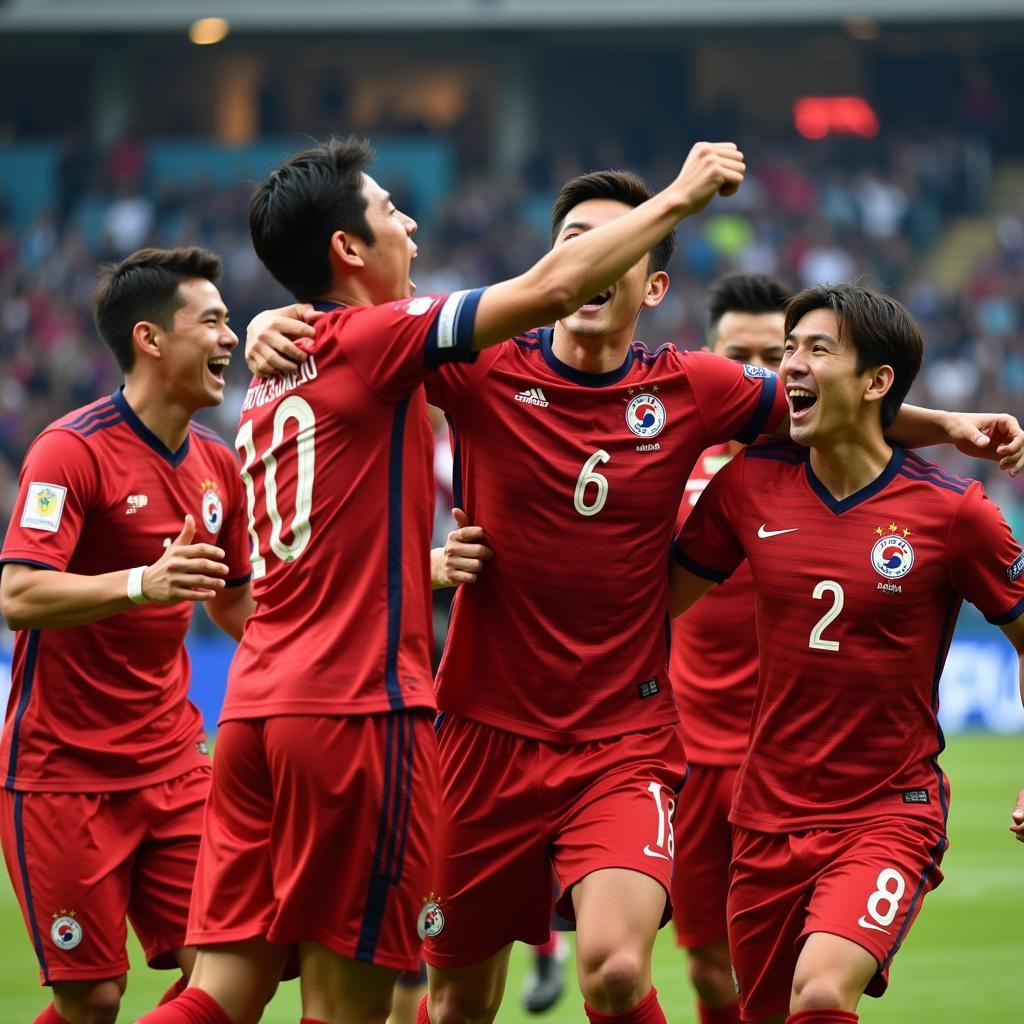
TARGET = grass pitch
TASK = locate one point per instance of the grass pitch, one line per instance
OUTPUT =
(961, 962)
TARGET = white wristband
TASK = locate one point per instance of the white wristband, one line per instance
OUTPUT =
(135, 594)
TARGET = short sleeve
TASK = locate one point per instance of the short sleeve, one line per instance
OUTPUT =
(394, 345)
(985, 562)
(708, 544)
(447, 384)
(235, 539)
(736, 402)
(58, 484)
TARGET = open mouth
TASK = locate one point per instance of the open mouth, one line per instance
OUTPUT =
(801, 400)
(218, 365)
(598, 300)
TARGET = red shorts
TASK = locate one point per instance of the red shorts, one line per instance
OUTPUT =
(514, 807)
(320, 829)
(700, 882)
(83, 862)
(864, 882)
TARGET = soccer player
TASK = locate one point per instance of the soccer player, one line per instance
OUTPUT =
(861, 554)
(558, 733)
(128, 513)
(320, 829)
(713, 668)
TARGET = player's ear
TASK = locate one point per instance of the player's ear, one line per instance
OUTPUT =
(347, 250)
(657, 286)
(879, 381)
(146, 336)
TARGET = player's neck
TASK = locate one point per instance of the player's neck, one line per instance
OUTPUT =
(166, 419)
(850, 462)
(590, 353)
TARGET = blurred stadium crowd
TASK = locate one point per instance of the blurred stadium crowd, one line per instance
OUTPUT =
(829, 210)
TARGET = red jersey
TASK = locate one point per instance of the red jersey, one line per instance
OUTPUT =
(576, 479)
(856, 604)
(337, 465)
(105, 706)
(714, 665)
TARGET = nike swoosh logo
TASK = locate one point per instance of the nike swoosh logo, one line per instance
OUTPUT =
(654, 853)
(763, 533)
(865, 923)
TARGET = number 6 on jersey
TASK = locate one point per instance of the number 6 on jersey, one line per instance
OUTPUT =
(292, 408)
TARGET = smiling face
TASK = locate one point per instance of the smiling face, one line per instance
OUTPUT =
(386, 262)
(828, 397)
(196, 350)
(616, 308)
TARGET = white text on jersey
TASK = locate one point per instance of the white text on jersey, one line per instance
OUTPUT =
(533, 396)
(274, 387)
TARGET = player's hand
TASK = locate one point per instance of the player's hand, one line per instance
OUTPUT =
(185, 571)
(270, 339)
(989, 436)
(1017, 828)
(711, 168)
(463, 555)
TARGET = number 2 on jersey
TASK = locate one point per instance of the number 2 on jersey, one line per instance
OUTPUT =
(292, 408)
(823, 588)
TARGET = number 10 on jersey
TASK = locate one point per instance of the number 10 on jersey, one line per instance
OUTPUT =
(304, 453)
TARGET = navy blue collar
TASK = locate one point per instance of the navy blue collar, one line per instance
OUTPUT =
(328, 305)
(588, 380)
(858, 497)
(147, 435)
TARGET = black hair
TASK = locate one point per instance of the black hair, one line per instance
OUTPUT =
(144, 286)
(621, 186)
(744, 293)
(295, 212)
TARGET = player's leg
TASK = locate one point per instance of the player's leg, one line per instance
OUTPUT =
(465, 995)
(866, 897)
(493, 876)
(74, 906)
(618, 913)
(338, 990)
(613, 855)
(700, 886)
(410, 989)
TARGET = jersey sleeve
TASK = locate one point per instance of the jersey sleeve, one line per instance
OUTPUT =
(448, 383)
(58, 483)
(708, 544)
(235, 539)
(985, 562)
(394, 345)
(736, 402)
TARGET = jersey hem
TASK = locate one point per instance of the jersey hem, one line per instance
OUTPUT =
(561, 735)
(106, 785)
(245, 711)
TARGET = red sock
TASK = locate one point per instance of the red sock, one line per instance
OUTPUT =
(729, 1014)
(50, 1016)
(422, 1017)
(174, 991)
(193, 1006)
(822, 1017)
(547, 948)
(647, 1011)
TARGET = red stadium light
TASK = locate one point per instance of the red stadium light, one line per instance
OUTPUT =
(818, 116)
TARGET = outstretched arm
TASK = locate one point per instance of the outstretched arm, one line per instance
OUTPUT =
(993, 436)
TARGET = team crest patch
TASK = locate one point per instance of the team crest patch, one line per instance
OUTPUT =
(416, 307)
(213, 509)
(892, 557)
(757, 372)
(44, 505)
(65, 931)
(431, 920)
(645, 415)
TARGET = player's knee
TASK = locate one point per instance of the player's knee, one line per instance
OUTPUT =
(90, 1004)
(818, 992)
(614, 982)
(712, 981)
(449, 1005)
